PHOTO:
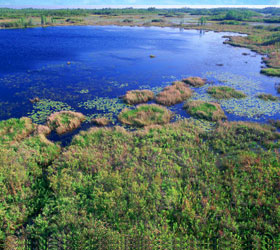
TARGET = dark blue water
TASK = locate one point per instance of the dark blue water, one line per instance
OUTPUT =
(108, 61)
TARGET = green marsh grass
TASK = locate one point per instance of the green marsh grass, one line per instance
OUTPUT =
(145, 114)
(205, 110)
(224, 92)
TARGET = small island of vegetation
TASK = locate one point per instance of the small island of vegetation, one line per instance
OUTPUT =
(145, 114)
(176, 93)
(206, 110)
(224, 92)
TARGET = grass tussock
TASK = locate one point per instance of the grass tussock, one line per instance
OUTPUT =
(138, 96)
(195, 81)
(144, 115)
(268, 97)
(65, 121)
(205, 110)
(224, 92)
(271, 71)
(176, 93)
(102, 121)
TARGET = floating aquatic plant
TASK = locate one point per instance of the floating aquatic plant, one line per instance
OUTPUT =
(250, 107)
(247, 85)
(84, 91)
(108, 107)
(44, 108)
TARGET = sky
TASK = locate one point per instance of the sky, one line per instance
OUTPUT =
(136, 2)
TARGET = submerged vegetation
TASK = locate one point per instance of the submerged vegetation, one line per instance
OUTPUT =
(145, 114)
(205, 110)
(224, 92)
(176, 93)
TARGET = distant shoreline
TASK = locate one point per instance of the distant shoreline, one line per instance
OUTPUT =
(136, 6)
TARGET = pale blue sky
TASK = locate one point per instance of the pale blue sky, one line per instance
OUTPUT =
(139, 2)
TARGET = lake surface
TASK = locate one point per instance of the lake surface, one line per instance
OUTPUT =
(108, 61)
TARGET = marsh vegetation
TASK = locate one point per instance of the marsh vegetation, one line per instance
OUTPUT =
(169, 188)
(65, 121)
(176, 93)
(149, 182)
(145, 114)
(268, 97)
(194, 81)
(205, 110)
(224, 92)
(138, 96)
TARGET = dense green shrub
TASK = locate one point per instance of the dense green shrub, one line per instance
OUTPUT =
(161, 187)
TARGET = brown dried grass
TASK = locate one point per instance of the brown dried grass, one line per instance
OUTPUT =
(176, 93)
(102, 121)
(43, 130)
(65, 121)
(194, 81)
(138, 96)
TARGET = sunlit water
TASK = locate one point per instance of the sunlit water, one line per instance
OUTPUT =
(108, 61)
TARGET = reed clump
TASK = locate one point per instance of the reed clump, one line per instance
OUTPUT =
(176, 93)
(271, 71)
(138, 96)
(205, 110)
(194, 81)
(101, 121)
(224, 92)
(145, 115)
(65, 121)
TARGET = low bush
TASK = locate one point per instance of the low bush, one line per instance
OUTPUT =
(14, 130)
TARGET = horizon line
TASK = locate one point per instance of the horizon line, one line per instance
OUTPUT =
(136, 6)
